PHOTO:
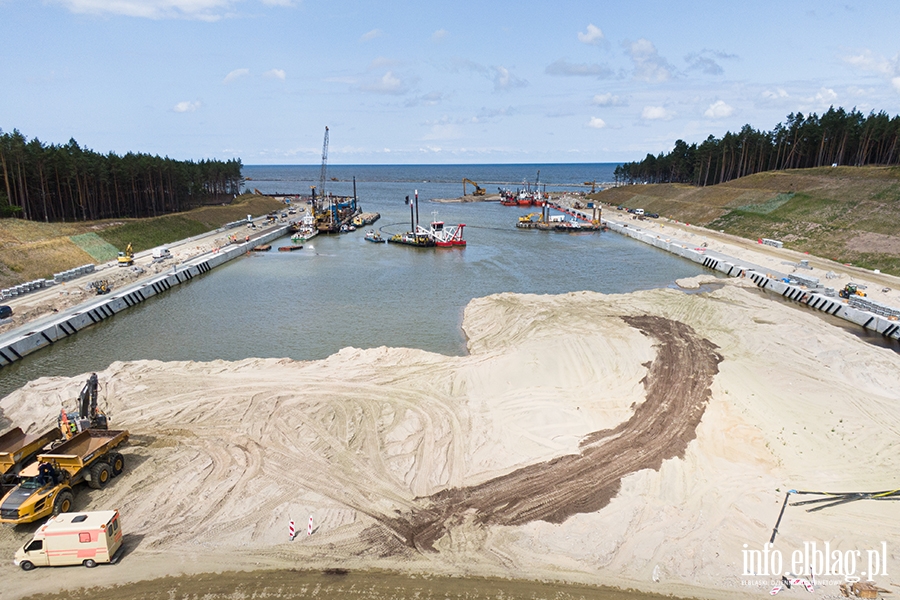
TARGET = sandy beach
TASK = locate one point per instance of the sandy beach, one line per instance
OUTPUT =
(637, 440)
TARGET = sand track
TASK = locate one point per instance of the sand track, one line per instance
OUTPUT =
(677, 386)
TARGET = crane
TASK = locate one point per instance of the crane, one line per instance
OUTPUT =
(479, 191)
(321, 189)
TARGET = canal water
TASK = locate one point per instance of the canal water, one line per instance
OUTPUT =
(343, 291)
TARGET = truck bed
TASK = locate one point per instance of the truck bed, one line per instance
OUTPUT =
(15, 444)
(81, 449)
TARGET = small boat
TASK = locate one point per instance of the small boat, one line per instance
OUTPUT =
(289, 248)
(374, 236)
(262, 248)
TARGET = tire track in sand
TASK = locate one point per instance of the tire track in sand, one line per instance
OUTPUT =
(677, 388)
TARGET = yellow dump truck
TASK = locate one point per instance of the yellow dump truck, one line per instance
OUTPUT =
(86, 538)
(47, 487)
(17, 449)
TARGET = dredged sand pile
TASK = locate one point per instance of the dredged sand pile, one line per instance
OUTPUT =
(636, 440)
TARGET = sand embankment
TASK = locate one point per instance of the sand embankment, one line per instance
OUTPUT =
(636, 440)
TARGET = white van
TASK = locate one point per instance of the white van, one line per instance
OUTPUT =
(639, 211)
(161, 253)
(85, 538)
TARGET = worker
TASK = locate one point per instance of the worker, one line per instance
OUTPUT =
(46, 474)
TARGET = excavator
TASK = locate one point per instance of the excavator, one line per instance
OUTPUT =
(527, 218)
(126, 259)
(479, 191)
(88, 416)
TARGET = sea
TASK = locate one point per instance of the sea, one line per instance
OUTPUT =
(342, 291)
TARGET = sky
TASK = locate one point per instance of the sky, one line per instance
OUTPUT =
(460, 82)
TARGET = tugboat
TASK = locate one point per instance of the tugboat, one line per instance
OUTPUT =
(374, 236)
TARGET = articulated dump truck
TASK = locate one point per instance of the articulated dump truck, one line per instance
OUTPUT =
(17, 449)
(47, 486)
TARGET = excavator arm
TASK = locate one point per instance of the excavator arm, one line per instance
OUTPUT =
(479, 191)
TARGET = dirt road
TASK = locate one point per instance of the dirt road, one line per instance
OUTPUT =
(677, 388)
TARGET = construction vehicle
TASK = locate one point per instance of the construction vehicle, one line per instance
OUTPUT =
(852, 289)
(126, 259)
(101, 286)
(85, 538)
(528, 218)
(479, 191)
(47, 487)
(88, 415)
(17, 449)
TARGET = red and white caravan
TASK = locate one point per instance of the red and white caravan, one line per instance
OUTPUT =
(85, 538)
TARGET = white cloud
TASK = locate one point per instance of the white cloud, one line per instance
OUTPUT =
(388, 84)
(186, 106)
(826, 95)
(596, 123)
(275, 74)
(504, 80)
(429, 99)
(719, 110)
(656, 113)
(440, 35)
(592, 36)
(382, 62)
(236, 74)
(607, 99)
(866, 61)
(896, 83)
(204, 10)
(371, 35)
(565, 68)
(648, 64)
(777, 94)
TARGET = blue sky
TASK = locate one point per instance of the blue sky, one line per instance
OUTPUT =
(415, 82)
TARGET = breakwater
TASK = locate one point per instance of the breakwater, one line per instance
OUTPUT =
(48, 330)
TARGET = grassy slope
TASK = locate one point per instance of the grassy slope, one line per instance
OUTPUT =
(848, 214)
(31, 251)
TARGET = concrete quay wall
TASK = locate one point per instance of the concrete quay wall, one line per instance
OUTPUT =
(732, 267)
(33, 337)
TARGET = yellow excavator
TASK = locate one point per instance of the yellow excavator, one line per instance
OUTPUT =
(527, 218)
(126, 259)
(479, 191)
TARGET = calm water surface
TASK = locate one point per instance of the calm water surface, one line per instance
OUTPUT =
(343, 291)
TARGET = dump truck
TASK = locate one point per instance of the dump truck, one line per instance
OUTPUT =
(17, 449)
(47, 487)
(86, 538)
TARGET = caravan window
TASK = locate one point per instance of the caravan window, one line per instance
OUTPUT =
(84, 537)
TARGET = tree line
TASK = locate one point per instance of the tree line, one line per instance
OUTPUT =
(837, 137)
(48, 182)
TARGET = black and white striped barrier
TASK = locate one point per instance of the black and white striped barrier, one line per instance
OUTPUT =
(49, 332)
(882, 324)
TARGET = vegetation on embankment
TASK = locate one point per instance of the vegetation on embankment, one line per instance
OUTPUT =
(848, 214)
(30, 250)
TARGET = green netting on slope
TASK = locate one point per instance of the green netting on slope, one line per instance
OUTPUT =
(99, 249)
(768, 206)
